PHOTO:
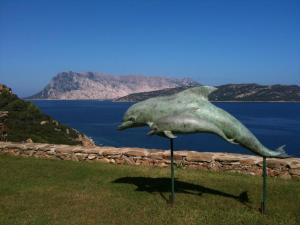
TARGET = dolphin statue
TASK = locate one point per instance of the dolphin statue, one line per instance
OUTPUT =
(189, 111)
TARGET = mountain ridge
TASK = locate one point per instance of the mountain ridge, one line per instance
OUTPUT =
(232, 92)
(94, 85)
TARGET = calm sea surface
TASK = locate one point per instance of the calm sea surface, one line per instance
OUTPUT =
(274, 124)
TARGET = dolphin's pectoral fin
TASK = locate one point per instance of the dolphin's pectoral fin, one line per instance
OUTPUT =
(151, 132)
(232, 141)
(153, 128)
(221, 134)
(169, 134)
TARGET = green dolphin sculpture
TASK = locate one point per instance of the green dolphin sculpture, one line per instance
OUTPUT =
(190, 111)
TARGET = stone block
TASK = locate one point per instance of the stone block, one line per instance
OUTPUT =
(156, 155)
(285, 176)
(136, 152)
(111, 151)
(226, 158)
(91, 156)
(128, 160)
(247, 161)
(276, 163)
(120, 161)
(81, 156)
(294, 164)
(64, 150)
(104, 160)
(199, 157)
(93, 150)
(295, 172)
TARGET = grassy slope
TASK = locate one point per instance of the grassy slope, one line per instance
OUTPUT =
(35, 191)
(24, 122)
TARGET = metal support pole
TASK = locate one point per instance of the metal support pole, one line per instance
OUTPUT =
(172, 196)
(264, 190)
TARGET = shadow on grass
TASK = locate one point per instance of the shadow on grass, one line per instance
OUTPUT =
(163, 185)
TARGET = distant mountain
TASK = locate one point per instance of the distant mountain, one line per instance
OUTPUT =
(136, 97)
(72, 85)
(22, 121)
(256, 92)
(232, 92)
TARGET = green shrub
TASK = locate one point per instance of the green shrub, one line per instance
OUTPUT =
(24, 122)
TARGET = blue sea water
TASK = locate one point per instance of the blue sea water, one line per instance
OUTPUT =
(274, 124)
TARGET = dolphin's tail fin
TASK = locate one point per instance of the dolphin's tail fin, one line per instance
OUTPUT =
(282, 152)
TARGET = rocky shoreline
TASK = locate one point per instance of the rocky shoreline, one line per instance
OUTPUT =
(222, 162)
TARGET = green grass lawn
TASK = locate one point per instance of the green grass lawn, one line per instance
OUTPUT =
(38, 191)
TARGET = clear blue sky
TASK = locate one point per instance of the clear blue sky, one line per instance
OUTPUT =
(214, 42)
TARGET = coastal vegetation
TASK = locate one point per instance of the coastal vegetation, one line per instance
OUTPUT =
(23, 121)
(40, 191)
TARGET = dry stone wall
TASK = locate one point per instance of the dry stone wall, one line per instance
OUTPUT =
(223, 162)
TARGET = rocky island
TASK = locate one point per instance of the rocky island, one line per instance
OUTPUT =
(132, 88)
(90, 85)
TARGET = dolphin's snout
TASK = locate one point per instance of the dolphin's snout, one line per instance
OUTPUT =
(125, 125)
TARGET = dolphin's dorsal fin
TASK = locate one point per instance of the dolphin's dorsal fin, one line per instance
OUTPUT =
(203, 91)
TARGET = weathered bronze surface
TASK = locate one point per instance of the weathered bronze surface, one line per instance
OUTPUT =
(190, 112)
